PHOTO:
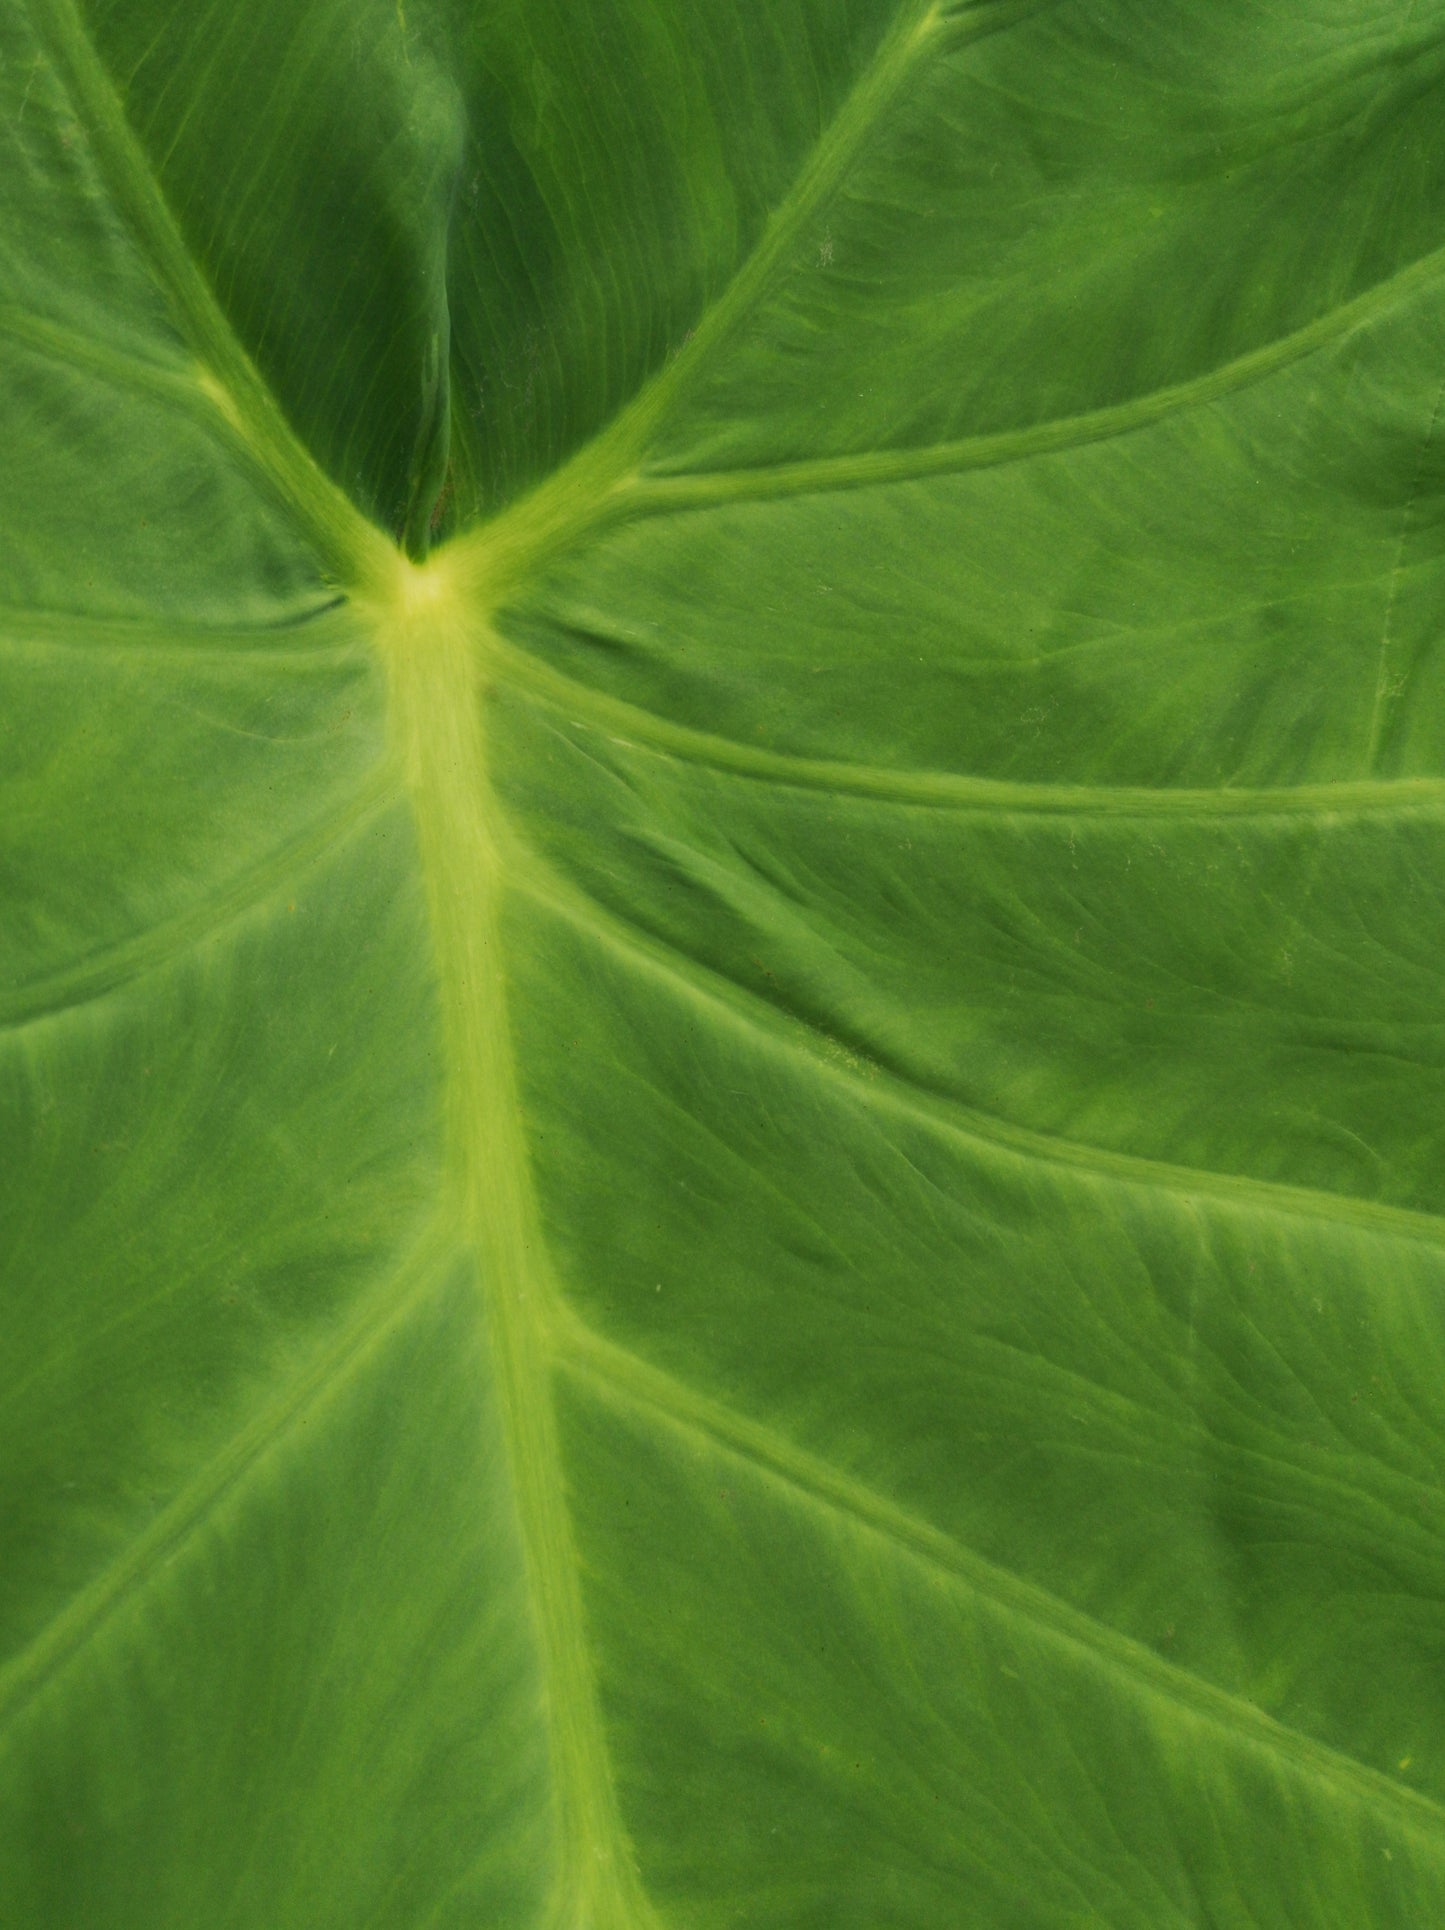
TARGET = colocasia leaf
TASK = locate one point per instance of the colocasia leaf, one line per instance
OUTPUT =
(722, 980)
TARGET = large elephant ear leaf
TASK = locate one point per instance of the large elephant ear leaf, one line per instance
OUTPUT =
(722, 1079)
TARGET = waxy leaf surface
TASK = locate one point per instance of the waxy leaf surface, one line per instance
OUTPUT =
(722, 976)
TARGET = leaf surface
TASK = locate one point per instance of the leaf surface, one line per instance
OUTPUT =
(722, 792)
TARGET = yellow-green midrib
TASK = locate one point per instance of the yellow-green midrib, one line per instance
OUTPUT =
(427, 633)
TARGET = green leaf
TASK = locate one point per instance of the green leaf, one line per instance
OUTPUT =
(722, 807)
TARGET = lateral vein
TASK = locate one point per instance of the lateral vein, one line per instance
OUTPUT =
(353, 550)
(887, 1088)
(67, 1634)
(160, 945)
(624, 1376)
(600, 481)
(661, 491)
(952, 790)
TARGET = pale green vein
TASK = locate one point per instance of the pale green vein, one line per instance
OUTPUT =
(599, 481)
(351, 547)
(623, 1376)
(608, 480)
(842, 1064)
(635, 728)
(215, 649)
(193, 391)
(436, 712)
(659, 492)
(310, 636)
(171, 382)
(66, 1635)
(162, 944)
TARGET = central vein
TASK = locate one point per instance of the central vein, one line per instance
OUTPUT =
(427, 632)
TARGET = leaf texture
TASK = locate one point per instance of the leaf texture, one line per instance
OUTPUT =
(722, 1087)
